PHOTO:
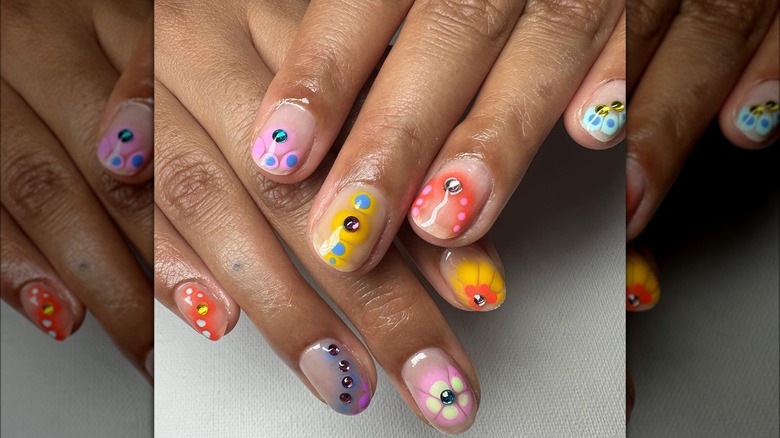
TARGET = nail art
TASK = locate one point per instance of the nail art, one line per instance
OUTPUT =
(336, 376)
(642, 288)
(605, 114)
(284, 140)
(440, 390)
(450, 200)
(127, 145)
(473, 277)
(204, 312)
(348, 231)
(48, 310)
(759, 116)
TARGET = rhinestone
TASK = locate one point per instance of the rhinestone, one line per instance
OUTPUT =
(602, 110)
(203, 308)
(344, 365)
(48, 309)
(479, 300)
(771, 105)
(333, 349)
(453, 186)
(345, 398)
(125, 135)
(633, 300)
(618, 106)
(757, 110)
(351, 223)
(347, 382)
(279, 136)
(447, 397)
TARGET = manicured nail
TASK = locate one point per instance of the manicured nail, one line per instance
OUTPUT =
(636, 185)
(348, 231)
(642, 288)
(336, 376)
(149, 362)
(205, 313)
(759, 114)
(474, 279)
(605, 114)
(48, 309)
(285, 139)
(440, 390)
(450, 200)
(126, 148)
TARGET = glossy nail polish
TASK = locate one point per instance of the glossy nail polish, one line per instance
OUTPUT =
(450, 200)
(759, 114)
(48, 309)
(636, 185)
(473, 277)
(642, 288)
(126, 148)
(285, 139)
(346, 234)
(440, 390)
(205, 313)
(604, 115)
(336, 376)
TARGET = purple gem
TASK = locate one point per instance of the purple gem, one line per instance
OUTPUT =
(351, 223)
(345, 398)
(346, 382)
(344, 365)
(333, 349)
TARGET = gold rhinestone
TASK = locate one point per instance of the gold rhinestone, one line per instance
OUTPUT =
(203, 309)
(757, 110)
(602, 110)
(48, 309)
(771, 105)
(618, 106)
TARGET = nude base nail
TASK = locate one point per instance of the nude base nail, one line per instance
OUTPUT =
(336, 375)
(48, 310)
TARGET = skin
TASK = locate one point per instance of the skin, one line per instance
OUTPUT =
(64, 218)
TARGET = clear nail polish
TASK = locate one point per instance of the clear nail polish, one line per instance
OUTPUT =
(285, 139)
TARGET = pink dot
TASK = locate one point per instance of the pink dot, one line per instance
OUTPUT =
(419, 201)
(464, 201)
(456, 228)
(462, 216)
(427, 189)
(415, 212)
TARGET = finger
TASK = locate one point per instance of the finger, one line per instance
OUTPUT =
(690, 75)
(486, 156)
(46, 195)
(310, 96)
(245, 257)
(751, 114)
(596, 116)
(30, 285)
(125, 148)
(469, 277)
(642, 288)
(648, 21)
(184, 284)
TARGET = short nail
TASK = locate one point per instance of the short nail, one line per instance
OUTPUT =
(473, 277)
(336, 376)
(205, 313)
(285, 139)
(48, 309)
(759, 114)
(149, 362)
(642, 288)
(636, 185)
(604, 115)
(440, 390)
(449, 202)
(346, 234)
(126, 148)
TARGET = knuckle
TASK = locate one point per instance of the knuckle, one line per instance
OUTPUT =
(578, 17)
(324, 66)
(737, 17)
(396, 134)
(33, 184)
(464, 19)
(645, 18)
(193, 186)
(287, 201)
(385, 309)
(128, 201)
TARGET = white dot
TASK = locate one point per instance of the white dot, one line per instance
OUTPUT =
(35, 291)
(52, 333)
(201, 323)
(46, 323)
(189, 291)
(207, 334)
(200, 295)
(46, 295)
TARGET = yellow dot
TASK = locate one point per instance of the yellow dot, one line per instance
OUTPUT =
(203, 308)
(48, 309)
(772, 105)
(602, 110)
(618, 106)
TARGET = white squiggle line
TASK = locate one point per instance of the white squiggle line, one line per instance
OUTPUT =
(430, 221)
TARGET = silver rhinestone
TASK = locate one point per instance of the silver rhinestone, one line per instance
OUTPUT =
(453, 185)
(634, 300)
(479, 300)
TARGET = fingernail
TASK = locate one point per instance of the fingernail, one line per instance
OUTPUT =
(440, 390)
(126, 148)
(204, 312)
(336, 376)
(149, 362)
(642, 288)
(636, 184)
(759, 114)
(285, 139)
(475, 281)
(604, 115)
(48, 309)
(346, 234)
(450, 200)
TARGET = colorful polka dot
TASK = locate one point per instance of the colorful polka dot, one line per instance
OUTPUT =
(415, 212)
(427, 189)
(362, 201)
(338, 249)
(456, 228)
(137, 161)
(464, 201)
(291, 160)
(462, 216)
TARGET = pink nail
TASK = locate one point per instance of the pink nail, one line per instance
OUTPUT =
(440, 390)
(205, 313)
(285, 139)
(126, 148)
(48, 309)
(336, 375)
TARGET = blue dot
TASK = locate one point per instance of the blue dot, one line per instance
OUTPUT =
(332, 261)
(590, 117)
(116, 161)
(270, 161)
(291, 160)
(745, 117)
(362, 201)
(137, 161)
(610, 123)
(750, 121)
(764, 123)
(596, 121)
(338, 249)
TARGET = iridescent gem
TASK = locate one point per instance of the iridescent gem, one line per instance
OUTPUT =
(453, 186)
(48, 309)
(771, 105)
(203, 308)
(618, 106)
(447, 397)
(279, 136)
(344, 365)
(333, 349)
(757, 110)
(345, 398)
(347, 382)
(602, 110)
(633, 300)
(479, 300)
(351, 223)
(125, 135)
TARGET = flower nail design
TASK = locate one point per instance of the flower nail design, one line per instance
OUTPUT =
(473, 277)
(284, 140)
(759, 121)
(604, 121)
(204, 312)
(127, 145)
(47, 310)
(448, 397)
(336, 376)
(642, 288)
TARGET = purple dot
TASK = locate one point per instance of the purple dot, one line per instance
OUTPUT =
(365, 399)
(345, 398)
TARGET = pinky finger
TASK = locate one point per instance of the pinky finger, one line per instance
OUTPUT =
(30, 285)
